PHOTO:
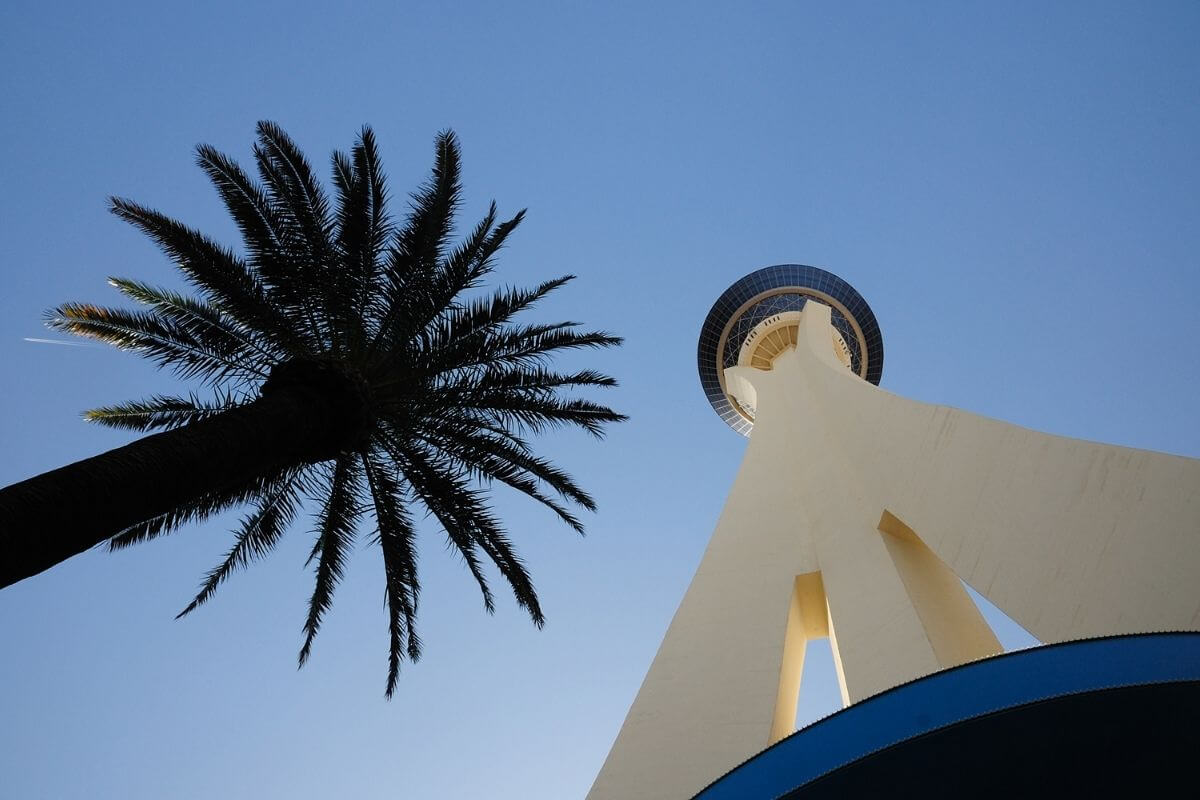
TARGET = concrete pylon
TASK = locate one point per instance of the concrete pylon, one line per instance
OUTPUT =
(854, 515)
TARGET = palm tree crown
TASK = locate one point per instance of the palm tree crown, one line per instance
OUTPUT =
(423, 396)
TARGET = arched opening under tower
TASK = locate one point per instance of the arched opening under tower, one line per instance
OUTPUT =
(819, 693)
(960, 624)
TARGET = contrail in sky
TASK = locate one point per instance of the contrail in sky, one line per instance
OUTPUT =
(57, 341)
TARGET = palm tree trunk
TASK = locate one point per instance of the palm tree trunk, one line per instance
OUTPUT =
(51, 517)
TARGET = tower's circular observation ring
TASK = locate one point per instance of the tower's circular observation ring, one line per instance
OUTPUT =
(773, 290)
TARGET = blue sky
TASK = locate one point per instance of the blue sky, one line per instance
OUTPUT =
(1014, 188)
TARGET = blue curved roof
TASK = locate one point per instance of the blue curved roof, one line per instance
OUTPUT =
(969, 692)
(783, 287)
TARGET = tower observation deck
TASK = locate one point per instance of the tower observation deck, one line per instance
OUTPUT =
(757, 318)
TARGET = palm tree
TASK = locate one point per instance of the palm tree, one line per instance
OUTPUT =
(346, 367)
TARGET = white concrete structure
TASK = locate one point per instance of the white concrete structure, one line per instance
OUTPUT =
(853, 516)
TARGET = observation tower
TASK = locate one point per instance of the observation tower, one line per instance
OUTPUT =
(854, 515)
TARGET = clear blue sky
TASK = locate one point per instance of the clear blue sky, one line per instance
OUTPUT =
(1015, 188)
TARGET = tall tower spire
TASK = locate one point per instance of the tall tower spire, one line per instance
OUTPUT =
(854, 515)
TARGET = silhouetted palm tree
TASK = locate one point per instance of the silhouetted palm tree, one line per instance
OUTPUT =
(348, 368)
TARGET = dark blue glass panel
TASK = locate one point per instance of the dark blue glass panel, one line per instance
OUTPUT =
(780, 278)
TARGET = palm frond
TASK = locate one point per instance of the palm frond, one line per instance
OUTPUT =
(263, 232)
(270, 242)
(470, 516)
(456, 276)
(223, 278)
(486, 467)
(294, 188)
(203, 321)
(519, 346)
(460, 330)
(303, 211)
(536, 380)
(400, 569)
(538, 414)
(335, 536)
(414, 265)
(523, 345)
(189, 352)
(428, 486)
(363, 230)
(356, 273)
(257, 536)
(423, 239)
(375, 196)
(160, 412)
(199, 509)
(507, 460)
